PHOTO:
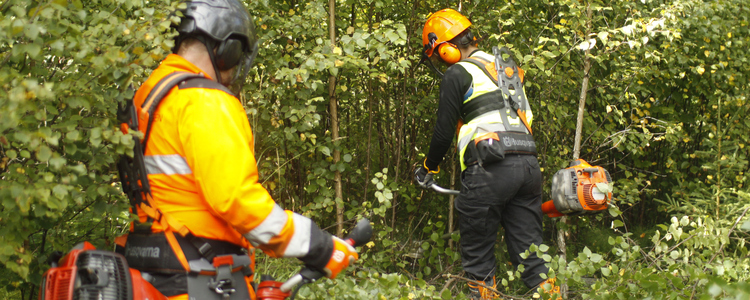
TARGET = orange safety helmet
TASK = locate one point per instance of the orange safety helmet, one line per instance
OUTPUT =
(440, 28)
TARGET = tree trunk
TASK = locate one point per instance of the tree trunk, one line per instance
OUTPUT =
(718, 161)
(333, 107)
(577, 144)
(369, 138)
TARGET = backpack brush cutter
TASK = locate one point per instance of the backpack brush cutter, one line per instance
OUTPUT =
(87, 273)
(579, 189)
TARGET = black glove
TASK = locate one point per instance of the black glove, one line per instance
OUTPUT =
(423, 176)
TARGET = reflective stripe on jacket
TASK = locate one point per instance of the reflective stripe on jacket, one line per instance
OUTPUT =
(202, 170)
(491, 121)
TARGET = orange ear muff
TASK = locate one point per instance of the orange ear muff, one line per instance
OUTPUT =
(449, 53)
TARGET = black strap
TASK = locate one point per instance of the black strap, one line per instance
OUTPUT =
(205, 83)
(482, 104)
(206, 248)
(157, 94)
(183, 80)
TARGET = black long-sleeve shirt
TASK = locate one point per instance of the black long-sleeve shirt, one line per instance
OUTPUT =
(454, 86)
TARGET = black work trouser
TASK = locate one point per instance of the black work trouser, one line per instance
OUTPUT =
(507, 193)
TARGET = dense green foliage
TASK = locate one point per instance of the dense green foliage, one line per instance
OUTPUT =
(665, 114)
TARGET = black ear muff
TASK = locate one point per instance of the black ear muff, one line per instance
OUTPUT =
(228, 54)
(469, 39)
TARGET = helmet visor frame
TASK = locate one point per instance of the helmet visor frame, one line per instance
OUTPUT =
(239, 75)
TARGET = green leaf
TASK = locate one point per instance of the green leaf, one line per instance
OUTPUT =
(446, 295)
(60, 191)
(745, 226)
(604, 188)
(33, 50)
(714, 290)
(22, 136)
(57, 162)
(31, 31)
(347, 157)
(617, 223)
(44, 153)
(325, 150)
(72, 135)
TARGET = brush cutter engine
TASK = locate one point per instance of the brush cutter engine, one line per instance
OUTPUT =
(86, 273)
(579, 189)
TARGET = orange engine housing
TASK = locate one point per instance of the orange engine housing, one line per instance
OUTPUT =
(87, 273)
(578, 190)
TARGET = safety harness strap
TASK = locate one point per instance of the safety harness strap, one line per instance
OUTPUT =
(161, 89)
(485, 66)
(489, 101)
(482, 104)
(137, 185)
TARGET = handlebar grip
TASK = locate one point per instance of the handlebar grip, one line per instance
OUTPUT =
(359, 236)
(361, 233)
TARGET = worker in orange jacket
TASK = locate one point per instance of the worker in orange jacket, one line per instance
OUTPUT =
(206, 208)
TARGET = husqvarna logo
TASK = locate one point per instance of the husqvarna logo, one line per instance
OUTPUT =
(142, 252)
(511, 142)
(507, 141)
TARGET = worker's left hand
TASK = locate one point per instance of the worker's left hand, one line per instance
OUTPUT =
(423, 176)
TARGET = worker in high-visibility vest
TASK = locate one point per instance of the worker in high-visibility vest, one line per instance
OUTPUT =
(206, 209)
(501, 178)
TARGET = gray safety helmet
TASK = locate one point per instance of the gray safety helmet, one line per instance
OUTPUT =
(225, 27)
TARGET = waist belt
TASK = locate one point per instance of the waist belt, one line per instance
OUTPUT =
(494, 146)
(152, 253)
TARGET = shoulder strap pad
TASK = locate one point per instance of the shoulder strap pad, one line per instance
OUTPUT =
(487, 67)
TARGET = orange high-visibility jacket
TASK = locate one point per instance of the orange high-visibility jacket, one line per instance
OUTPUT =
(202, 171)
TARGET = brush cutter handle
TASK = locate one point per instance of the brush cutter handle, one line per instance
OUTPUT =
(359, 236)
(443, 190)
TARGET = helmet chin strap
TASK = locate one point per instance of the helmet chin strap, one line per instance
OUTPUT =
(210, 48)
(429, 64)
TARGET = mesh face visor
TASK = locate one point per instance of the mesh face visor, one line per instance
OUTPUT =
(239, 76)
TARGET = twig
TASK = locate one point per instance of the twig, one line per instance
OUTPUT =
(504, 296)
(671, 249)
(447, 284)
(692, 295)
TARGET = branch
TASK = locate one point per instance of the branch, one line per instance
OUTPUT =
(504, 296)
(692, 295)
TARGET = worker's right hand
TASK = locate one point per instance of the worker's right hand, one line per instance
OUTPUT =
(423, 176)
(343, 255)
